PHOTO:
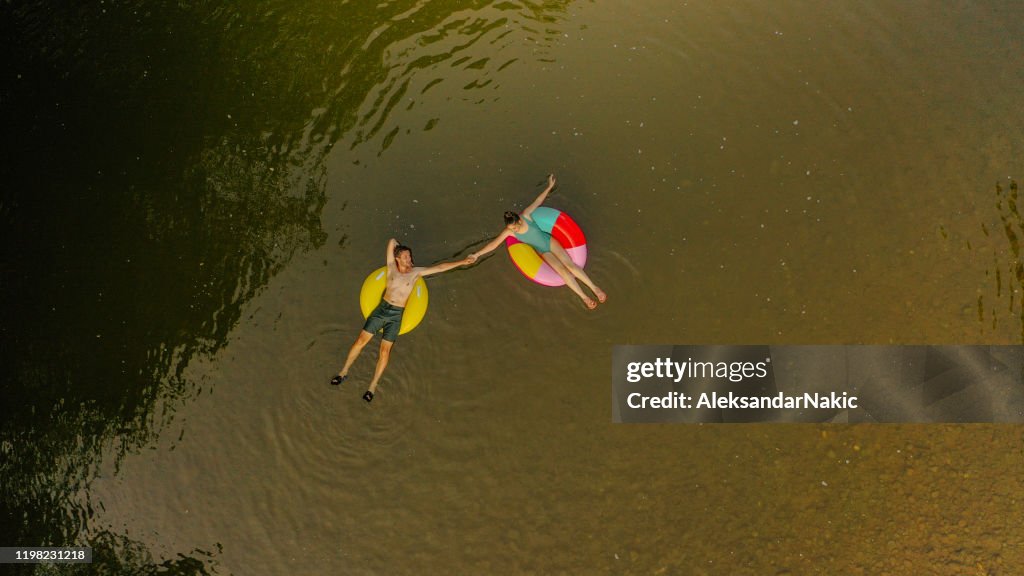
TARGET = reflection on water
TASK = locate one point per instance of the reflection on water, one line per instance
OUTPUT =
(425, 46)
(1006, 275)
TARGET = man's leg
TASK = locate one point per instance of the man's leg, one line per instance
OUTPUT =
(382, 363)
(353, 353)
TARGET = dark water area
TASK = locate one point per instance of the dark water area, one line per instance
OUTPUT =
(193, 193)
(138, 218)
(162, 166)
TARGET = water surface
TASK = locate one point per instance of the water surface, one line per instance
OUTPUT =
(194, 194)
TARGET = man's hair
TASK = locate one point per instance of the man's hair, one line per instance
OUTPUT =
(511, 218)
(402, 248)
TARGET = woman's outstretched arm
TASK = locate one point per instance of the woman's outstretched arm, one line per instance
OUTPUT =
(543, 196)
(490, 246)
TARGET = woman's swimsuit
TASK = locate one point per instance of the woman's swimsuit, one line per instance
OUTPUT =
(535, 237)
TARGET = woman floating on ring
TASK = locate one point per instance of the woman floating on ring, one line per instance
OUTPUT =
(550, 249)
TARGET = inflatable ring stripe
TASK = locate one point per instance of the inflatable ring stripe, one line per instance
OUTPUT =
(562, 228)
(373, 290)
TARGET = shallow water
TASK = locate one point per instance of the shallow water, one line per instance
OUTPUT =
(195, 195)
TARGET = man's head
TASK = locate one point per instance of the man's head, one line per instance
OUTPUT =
(403, 256)
(511, 220)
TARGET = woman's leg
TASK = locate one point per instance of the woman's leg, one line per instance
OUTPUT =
(563, 257)
(562, 271)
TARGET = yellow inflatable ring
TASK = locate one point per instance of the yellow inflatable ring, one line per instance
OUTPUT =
(373, 290)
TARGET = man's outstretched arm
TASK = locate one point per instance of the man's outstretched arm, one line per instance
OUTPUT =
(443, 267)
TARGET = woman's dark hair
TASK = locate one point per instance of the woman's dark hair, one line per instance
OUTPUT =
(511, 218)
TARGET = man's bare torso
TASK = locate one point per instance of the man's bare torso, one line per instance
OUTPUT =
(399, 285)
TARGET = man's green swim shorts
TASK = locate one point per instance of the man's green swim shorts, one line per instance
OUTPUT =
(385, 316)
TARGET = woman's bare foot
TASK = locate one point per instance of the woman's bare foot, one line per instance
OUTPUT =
(601, 296)
(590, 303)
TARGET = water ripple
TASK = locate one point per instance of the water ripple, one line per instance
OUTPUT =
(413, 51)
